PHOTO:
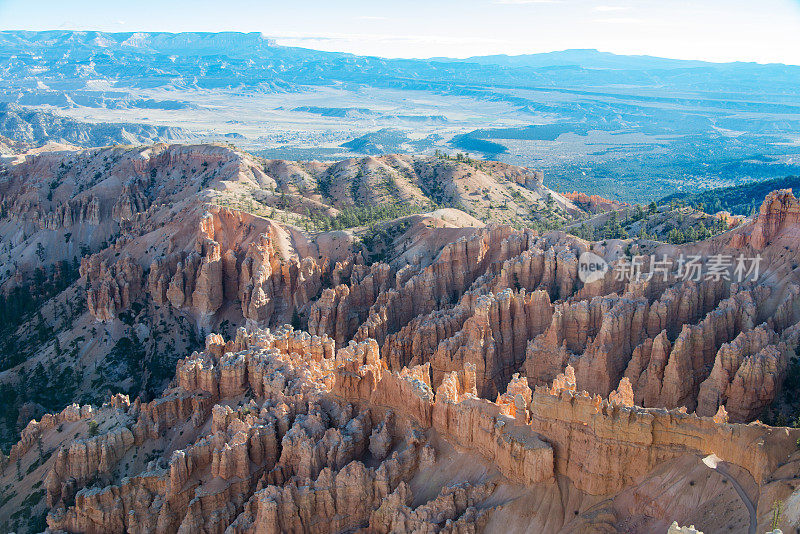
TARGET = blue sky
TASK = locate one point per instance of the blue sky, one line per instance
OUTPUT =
(715, 30)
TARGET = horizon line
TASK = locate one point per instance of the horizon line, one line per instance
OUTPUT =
(275, 42)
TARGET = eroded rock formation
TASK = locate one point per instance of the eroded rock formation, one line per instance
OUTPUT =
(275, 432)
(113, 287)
(469, 380)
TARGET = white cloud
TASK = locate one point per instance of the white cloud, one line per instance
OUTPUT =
(610, 8)
(406, 45)
(523, 2)
(385, 37)
(619, 20)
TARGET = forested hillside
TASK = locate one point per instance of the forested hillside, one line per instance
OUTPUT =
(739, 199)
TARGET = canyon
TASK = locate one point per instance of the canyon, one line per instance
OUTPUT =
(248, 351)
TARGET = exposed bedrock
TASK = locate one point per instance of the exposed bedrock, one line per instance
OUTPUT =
(270, 432)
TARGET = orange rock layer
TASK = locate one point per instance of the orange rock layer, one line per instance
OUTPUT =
(269, 433)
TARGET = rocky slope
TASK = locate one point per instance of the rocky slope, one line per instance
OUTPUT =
(114, 261)
(279, 431)
(439, 374)
(38, 127)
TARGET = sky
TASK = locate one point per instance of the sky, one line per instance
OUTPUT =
(713, 30)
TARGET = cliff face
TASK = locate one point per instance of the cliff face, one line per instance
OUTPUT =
(524, 262)
(494, 338)
(662, 335)
(594, 203)
(509, 301)
(605, 446)
(779, 213)
(112, 288)
(471, 376)
(341, 309)
(252, 467)
(242, 267)
(271, 432)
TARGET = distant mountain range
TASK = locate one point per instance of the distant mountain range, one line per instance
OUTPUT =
(628, 127)
(581, 57)
(217, 59)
